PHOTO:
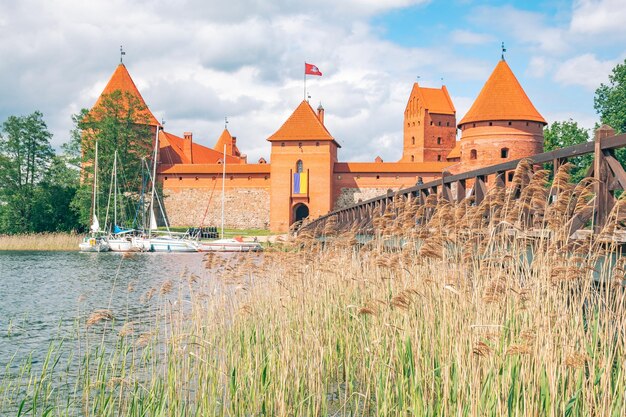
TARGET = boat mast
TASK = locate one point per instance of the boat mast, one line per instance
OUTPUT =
(223, 185)
(156, 149)
(114, 191)
(95, 188)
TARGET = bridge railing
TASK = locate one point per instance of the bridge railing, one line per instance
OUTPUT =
(608, 173)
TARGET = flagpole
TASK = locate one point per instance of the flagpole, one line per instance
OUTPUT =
(304, 95)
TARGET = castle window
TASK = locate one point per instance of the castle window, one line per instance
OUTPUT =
(490, 123)
(413, 140)
(231, 177)
(419, 123)
(249, 177)
(213, 178)
(196, 178)
(510, 123)
(473, 154)
(180, 178)
(412, 158)
(165, 178)
(504, 153)
(265, 177)
(377, 177)
(511, 176)
(447, 123)
(282, 143)
(473, 124)
(526, 123)
(299, 166)
(438, 157)
(432, 123)
(219, 162)
(439, 123)
(439, 140)
(299, 144)
(317, 144)
(413, 123)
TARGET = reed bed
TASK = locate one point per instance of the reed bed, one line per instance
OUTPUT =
(40, 242)
(462, 313)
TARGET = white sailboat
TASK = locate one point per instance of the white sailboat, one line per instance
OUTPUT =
(96, 241)
(163, 241)
(232, 244)
(121, 240)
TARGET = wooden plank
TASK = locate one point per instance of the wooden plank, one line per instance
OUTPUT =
(600, 185)
(480, 189)
(460, 191)
(616, 168)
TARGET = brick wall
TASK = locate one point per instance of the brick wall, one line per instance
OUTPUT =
(348, 196)
(244, 208)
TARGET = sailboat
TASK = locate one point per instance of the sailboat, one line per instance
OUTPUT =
(158, 241)
(121, 240)
(96, 242)
(232, 244)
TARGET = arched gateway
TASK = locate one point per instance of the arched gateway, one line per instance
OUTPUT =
(300, 212)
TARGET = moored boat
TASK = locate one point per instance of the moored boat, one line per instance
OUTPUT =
(229, 245)
(94, 244)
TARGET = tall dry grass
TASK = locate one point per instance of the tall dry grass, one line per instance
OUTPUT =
(466, 311)
(58, 241)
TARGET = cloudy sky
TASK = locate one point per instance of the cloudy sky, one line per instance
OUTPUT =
(197, 61)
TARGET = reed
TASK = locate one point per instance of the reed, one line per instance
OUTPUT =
(461, 313)
(58, 241)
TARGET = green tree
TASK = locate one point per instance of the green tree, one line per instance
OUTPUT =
(25, 155)
(610, 100)
(119, 122)
(568, 133)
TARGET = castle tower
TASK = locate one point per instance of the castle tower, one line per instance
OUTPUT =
(122, 81)
(302, 160)
(429, 125)
(501, 125)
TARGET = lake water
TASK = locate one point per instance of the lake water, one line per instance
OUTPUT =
(45, 295)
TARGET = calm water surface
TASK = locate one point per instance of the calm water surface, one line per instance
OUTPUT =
(44, 296)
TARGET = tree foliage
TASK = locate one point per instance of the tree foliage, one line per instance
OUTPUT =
(119, 122)
(35, 184)
(610, 100)
(568, 133)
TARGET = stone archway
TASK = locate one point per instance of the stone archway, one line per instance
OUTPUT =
(300, 212)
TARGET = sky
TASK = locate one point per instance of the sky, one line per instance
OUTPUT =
(199, 61)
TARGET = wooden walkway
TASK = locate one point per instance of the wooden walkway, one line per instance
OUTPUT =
(606, 176)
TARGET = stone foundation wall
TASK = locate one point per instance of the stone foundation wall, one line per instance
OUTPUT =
(349, 196)
(244, 208)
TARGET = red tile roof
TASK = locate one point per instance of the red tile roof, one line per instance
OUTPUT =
(502, 98)
(121, 80)
(303, 124)
(171, 148)
(226, 139)
(215, 169)
(456, 152)
(435, 100)
(390, 167)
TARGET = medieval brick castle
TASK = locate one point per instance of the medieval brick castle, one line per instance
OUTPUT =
(304, 177)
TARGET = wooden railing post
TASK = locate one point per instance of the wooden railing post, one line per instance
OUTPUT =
(601, 188)
(460, 191)
(480, 189)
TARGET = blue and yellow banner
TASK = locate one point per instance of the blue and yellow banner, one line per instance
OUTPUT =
(300, 183)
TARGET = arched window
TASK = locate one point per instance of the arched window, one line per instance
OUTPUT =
(412, 158)
(299, 166)
(473, 154)
(439, 141)
(504, 153)
(413, 140)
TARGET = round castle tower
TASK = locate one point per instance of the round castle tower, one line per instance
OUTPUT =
(501, 125)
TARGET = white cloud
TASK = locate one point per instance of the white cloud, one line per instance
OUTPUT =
(467, 37)
(539, 66)
(584, 70)
(595, 17)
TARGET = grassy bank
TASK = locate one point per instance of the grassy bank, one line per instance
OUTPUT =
(469, 317)
(40, 242)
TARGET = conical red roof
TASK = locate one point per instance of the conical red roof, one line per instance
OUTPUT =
(227, 139)
(121, 80)
(502, 98)
(303, 124)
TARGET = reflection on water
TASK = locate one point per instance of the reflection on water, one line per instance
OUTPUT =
(43, 295)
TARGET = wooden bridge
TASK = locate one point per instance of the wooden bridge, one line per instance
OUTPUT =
(605, 176)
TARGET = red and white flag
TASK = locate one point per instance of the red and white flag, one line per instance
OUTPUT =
(310, 69)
